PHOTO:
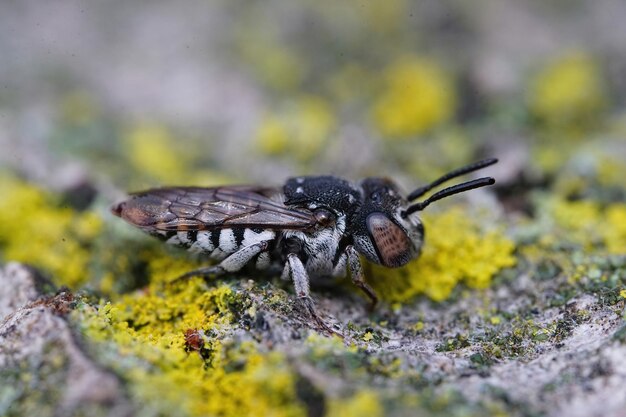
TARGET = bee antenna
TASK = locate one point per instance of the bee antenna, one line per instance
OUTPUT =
(447, 192)
(453, 174)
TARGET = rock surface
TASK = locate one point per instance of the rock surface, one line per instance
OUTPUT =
(43, 367)
(568, 361)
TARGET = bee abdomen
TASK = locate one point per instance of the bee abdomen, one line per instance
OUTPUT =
(219, 243)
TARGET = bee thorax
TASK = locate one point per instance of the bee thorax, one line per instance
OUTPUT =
(319, 249)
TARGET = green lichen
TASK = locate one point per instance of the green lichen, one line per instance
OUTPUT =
(521, 340)
(605, 277)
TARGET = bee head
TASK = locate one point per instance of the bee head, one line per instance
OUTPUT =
(387, 230)
(381, 233)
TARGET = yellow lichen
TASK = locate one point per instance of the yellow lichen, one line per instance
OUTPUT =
(300, 132)
(456, 251)
(611, 170)
(373, 22)
(614, 228)
(147, 329)
(273, 136)
(418, 96)
(163, 269)
(153, 151)
(445, 150)
(381, 16)
(580, 215)
(588, 224)
(321, 346)
(209, 178)
(549, 158)
(349, 83)
(269, 57)
(37, 229)
(569, 92)
(363, 403)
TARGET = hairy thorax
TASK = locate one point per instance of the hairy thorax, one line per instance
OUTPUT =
(319, 248)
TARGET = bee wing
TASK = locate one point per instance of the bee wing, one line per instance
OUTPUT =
(195, 208)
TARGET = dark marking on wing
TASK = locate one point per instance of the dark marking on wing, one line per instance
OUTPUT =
(195, 208)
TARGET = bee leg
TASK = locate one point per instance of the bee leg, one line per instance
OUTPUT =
(301, 283)
(232, 263)
(356, 273)
(207, 272)
(339, 271)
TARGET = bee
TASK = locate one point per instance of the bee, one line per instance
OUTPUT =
(311, 227)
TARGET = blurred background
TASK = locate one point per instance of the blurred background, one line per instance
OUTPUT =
(132, 94)
(98, 98)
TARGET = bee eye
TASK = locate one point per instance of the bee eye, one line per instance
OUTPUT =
(392, 244)
(324, 217)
